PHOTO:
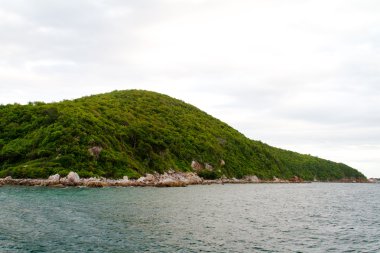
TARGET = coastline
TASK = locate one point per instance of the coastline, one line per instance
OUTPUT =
(170, 179)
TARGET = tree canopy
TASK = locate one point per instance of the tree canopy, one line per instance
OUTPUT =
(135, 132)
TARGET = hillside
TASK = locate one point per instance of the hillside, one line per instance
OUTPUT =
(136, 132)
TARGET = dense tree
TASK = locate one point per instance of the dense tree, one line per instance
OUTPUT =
(134, 132)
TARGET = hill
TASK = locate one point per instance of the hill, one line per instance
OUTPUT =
(136, 132)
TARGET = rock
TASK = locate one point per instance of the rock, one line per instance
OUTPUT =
(222, 163)
(125, 178)
(372, 180)
(196, 165)
(73, 177)
(124, 182)
(8, 180)
(92, 179)
(95, 151)
(171, 184)
(54, 178)
(167, 180)
(193, 178)
(208, 167)
(57, 186)
(149, 178)
(95, 184)
(253, 179)
(296, 179)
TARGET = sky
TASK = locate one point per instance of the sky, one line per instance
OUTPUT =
(302, 75)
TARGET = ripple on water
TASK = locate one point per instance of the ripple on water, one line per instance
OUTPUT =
(229, 218)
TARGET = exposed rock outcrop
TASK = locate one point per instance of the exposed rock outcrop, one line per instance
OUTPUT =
(170, 178)
(167, 179)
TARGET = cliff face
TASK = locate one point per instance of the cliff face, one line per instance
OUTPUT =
(130, 133)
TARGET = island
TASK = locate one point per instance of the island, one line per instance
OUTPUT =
(142, 136)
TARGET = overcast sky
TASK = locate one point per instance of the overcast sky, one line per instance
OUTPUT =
(297, 74)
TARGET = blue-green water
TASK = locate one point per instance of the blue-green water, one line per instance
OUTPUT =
(317, 217)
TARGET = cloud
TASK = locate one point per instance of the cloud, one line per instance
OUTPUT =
(302, 75)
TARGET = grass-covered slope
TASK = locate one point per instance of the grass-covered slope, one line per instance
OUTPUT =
(135, 132)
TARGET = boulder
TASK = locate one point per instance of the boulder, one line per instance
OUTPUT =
(252, 179)
(208, 167)
(149, 178)
(296, 179)
(125, 178)
(73, 177)
(196, 165)
(54, 178)
(193, 178)
(95, 151)
(8, 180)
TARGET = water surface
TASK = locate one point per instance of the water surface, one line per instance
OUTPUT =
(317, 217)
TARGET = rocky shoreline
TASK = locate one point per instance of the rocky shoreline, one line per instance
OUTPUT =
(169, 179)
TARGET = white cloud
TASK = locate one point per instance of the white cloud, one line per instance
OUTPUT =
(302, 75)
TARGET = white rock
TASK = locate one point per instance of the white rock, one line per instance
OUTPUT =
(125, 178)
(54, 178)
(192, 178)
(91, 179)
(196, 165)
(253, 179)
(149, 177)
(208, 166)
(167, 180)
(73, 177)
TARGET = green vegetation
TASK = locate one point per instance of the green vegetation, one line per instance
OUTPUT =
(135, 132)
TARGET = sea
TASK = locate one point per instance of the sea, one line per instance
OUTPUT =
(305, 217)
